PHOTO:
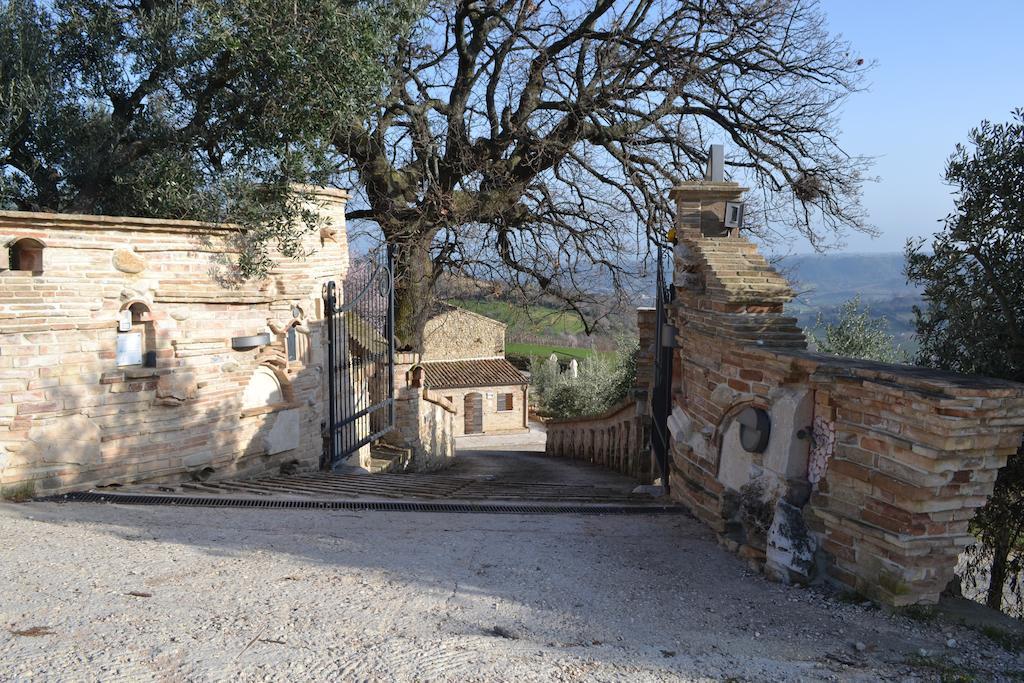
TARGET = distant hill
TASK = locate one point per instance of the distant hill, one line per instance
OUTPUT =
(824, 281)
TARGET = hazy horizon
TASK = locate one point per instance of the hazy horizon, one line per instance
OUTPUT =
(942, 68)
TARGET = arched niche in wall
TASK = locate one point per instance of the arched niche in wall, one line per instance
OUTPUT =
(734, 460)
(24, 255)
(267, 388)
(136, 335)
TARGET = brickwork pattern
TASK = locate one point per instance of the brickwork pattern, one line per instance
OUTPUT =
(902, 456)
(71, 418)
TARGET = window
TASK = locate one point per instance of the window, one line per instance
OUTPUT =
(25, 255)
(504, 402)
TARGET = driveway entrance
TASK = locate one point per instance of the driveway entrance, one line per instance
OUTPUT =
(486, 468)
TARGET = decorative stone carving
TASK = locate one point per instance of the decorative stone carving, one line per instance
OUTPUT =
(680, 425)
(127, 261)
(735, 462)
(328, 234)
(791, 411)
(725, 396)
(823, 438)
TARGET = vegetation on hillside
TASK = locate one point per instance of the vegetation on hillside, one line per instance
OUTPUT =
(972, 320)
(856, 334)
(602, 382)
(826, 282)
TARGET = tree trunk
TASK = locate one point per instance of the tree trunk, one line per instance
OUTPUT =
(997, 573)
(414, 288)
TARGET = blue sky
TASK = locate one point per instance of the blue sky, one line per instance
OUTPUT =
(942, 68)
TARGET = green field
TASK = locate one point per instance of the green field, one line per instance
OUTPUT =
(545, 350)
(537, 320)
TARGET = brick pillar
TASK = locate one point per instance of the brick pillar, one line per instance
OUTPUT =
(700, 208)
(646, 319)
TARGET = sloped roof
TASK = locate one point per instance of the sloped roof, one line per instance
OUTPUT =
(457, 374)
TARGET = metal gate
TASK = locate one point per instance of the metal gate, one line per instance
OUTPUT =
(360, 358)
(661, 396)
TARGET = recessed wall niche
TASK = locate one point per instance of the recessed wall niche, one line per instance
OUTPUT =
(25, 255)
(136, 336)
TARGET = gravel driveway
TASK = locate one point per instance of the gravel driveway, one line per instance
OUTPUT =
(106, 592)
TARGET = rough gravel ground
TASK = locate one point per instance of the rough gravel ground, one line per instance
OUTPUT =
(105, 593)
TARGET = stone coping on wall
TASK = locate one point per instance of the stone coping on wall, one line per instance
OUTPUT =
(79, 221)
(936, 384)
(628, 404)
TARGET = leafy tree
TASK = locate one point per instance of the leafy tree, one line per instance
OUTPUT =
(203, 109)
(973, 317)
(601, 383)
(534, 142)
(857, 334)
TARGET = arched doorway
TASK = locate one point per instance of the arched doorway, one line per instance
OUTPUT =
(473, 406)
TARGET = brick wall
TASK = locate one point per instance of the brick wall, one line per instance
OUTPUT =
(70, 417)
(425, 421)
(870, 472)
(618, 439)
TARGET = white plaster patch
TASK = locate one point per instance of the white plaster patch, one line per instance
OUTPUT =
(284, 435)
(791, 411)
(735, 463)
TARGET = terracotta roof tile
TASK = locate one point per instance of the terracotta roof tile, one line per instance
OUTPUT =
(456, 374)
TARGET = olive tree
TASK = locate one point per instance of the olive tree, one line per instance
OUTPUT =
(972, 321)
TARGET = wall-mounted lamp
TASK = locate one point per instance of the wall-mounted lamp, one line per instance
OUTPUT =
(250, 342)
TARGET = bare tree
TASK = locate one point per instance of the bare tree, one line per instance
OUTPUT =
(535, 141)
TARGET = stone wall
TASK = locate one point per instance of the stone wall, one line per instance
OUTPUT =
(867, 474)
(618, 439)
(72, 417)
(425, 421)
(455, 333)
(494, 421)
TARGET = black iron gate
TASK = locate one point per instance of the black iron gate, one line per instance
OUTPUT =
(661, 395)
(360, 358)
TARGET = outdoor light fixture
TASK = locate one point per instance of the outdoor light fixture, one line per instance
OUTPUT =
(250, 342)
(755, 428)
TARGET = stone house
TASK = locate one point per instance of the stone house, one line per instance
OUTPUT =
(463, 361)
(127, 354)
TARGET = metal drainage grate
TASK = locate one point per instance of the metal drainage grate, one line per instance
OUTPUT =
(383, 506)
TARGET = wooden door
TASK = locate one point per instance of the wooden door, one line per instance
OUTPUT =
(473, 406)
